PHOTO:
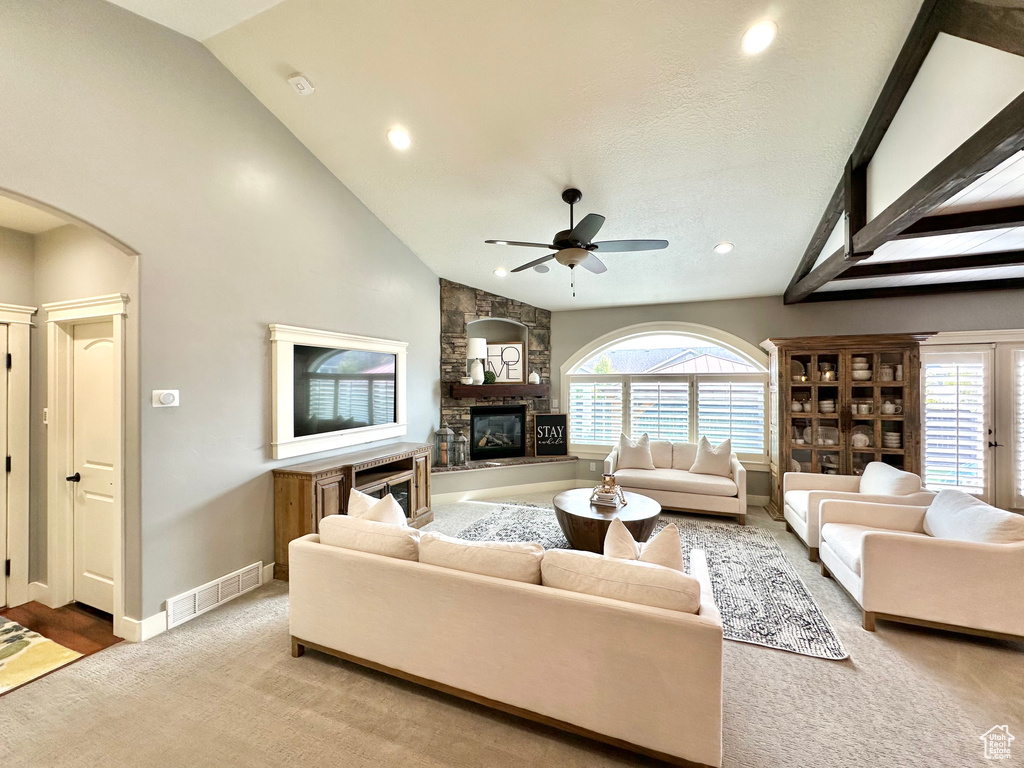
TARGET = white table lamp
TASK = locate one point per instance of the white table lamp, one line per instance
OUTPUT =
(476, 350)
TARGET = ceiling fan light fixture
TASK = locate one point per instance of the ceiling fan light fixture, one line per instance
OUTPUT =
(571, 257)
(399, 138)
(723, 248)
(759, 37)
(501, 272)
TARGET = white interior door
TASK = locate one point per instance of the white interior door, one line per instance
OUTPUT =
(1009, 431)
(4, 379)
(94, 424)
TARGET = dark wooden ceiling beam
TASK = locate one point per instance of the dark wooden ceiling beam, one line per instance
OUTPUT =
(967, 221)
(933, 265)
(997, 26)
(828, 222)
(1000, 138)
(933, 289)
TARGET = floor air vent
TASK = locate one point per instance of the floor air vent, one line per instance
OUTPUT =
(201, 599)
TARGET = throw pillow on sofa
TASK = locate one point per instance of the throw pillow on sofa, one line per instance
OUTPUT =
(365, 507)
(663, 549)
(628, 580)
(881, 479)
(713, 461)
(347, 532)
(958, 515)
(635, 454)
(516, 561)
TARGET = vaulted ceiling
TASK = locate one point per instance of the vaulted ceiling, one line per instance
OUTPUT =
(648, 106)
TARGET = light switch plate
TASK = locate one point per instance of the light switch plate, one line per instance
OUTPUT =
(166, 398)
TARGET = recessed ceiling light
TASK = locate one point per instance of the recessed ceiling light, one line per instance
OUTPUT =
(542, 268)
(723, 248)
(759, 37)
(399, 138)
(501, 272)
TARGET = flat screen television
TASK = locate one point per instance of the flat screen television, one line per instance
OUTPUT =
(333, 390)
(339, 389)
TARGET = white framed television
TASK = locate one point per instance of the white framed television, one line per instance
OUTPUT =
(334, 390)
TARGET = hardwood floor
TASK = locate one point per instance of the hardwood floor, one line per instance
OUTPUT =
(74, 626)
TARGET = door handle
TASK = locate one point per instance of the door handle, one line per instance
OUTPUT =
(74, 478)
(994, 445)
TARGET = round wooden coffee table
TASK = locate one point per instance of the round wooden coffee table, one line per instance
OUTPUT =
(585, 524)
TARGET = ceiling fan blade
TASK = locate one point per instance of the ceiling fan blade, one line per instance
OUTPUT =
(535, 262)
(593, 264)
(516, 242)
(611, 246)
(587, 229)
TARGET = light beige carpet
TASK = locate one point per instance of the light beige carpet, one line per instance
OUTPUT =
(223, 690)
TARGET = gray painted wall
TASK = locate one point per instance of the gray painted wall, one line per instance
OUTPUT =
(759, 318)
(142, 133)
(70, 263)
(16, 268)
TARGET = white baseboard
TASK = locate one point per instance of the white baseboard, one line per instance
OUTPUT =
(268, 573)
(39, 592)
(135, 631)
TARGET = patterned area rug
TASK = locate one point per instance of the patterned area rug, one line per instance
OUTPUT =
(761, 597)
(26, 655)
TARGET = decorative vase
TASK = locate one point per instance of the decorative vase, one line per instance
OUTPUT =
(476, 371)
(535, 378)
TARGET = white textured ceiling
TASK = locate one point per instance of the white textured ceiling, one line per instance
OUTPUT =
(197, 18)
(648, 106)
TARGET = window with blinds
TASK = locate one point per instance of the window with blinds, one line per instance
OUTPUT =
(732, 410)
(955, 429)
(660, 408)
(595, 411)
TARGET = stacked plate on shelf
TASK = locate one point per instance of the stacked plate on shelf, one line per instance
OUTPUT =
(827, 406)
(861, 369)
(892, 440)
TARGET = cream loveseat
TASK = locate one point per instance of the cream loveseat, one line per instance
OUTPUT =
(957, 564)
(673, 486)
(590, 665)
(803, 492)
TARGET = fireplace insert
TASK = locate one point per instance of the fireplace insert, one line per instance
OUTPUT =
(497, 432)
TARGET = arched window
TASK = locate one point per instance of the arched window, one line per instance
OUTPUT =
(671, 385)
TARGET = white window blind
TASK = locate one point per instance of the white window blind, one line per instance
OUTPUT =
(1018, 424)
(595, 411)
(732, 410)
(660, 408)
(955, 429)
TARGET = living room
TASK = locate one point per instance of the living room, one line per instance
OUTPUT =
(786, 229)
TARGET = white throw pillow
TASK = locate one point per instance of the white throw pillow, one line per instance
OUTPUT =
(664, 549)
(713, 461)
(628, 580)
(365, 507)
(516, 561)
(661, 454)
(958, 515)
(881, 479)
(619, 542)
(683, 455)
(347, 532)
(634, 454)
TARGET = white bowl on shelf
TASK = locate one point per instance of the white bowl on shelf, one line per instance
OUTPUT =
(862, 375)
(859, 359)
(861, 366)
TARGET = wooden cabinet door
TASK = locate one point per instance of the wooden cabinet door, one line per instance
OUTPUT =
(421, 485)
(330, 495)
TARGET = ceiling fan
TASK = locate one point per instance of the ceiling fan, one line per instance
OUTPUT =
(575, 247)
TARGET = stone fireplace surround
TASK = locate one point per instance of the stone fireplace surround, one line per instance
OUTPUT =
(461, 305)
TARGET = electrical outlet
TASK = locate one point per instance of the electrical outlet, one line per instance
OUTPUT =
(593, 466)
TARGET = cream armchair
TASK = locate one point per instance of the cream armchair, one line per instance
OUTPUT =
(803, 492)
(888, 561)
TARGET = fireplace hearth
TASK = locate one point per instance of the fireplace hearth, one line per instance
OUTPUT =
(497, 432)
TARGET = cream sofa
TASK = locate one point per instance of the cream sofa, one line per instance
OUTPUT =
(673, 486)
(591, 665)
(803, 492)
(945, 566)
